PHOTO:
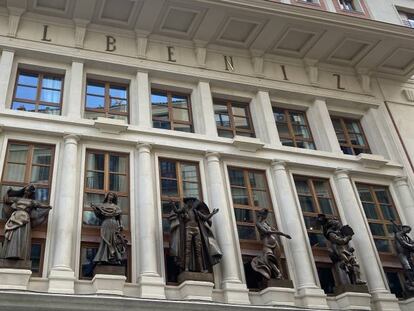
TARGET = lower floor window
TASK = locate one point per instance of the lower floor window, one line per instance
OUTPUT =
(395, 281)
(326, 277)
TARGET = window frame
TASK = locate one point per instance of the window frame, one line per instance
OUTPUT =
(38, 102)
(38, 234)
(229, 104)
(366, 148)
(289, 124)
(107, 98)
(169, 94)
(90, 235)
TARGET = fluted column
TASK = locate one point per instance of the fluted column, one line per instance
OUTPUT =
(149, 279)
(370, 263)
(6, 64)
(234, 289)
(305, 278)
(62, 277)
(406, 198)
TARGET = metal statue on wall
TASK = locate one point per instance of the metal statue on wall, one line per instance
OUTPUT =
(23, 213)
(405, 250)
(113, 245)
(192, 242)
(341, 253)
(268, 263)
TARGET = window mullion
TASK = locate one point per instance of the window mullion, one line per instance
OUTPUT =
(106, 172)
(29, 163)
(38, 92)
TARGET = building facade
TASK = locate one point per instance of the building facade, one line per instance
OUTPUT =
(301, 107)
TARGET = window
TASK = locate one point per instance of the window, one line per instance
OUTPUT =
(315, 197)
(105, 171)
(178, 180)
(29, 163)
(350, 136)
(407, 18)
(293, 128)
(233, 119)
(250, 194)
(171, 111)
(347, 5)
(38, 92)
(380, 210)
(106, 99)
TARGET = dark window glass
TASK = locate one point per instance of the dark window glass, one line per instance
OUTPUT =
(233, 119)
(350, 136)
(38, 92)
(395, 281)
(326, 278)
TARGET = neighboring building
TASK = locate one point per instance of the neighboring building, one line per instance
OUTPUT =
(303, 107)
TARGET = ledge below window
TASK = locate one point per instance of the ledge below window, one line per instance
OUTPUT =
(249, 144)
(110, 126)
(371, 160)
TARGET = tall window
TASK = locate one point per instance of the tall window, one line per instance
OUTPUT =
(38, 92)
(233, 119)
(106, 99)
(380, 210)
(179, 179)
(347, 5)
(350, 136)
(29, 163)
(315, 197)
(105, 171)
(171, 111)
(407, 18)
(250, 194)
(293, 128)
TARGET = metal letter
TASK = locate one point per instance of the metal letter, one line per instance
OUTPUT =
(45, 27)
(110, 44)
(228, 61)
(171, 54)
(338, 81)
(284, 72)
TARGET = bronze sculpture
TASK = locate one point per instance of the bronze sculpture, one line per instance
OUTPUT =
(341, 253)
(192, 242)
(23, 213)
(112, 247)
(405, 250)
(268, 263)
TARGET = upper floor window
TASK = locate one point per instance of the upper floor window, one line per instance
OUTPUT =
(293, 128)
(407, 18)
(171, 111)
(29, 163)
(38, 92)
(104, 172)
(233, 119)
(347, 5)
(350, 136)
(250, 194)
(106, 99)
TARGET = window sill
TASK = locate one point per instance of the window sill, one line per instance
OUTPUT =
(248, 144)
(110, 126)
(372, 160)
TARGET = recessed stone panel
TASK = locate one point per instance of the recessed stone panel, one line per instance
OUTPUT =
(119, 10)
(59, 5)
(295, 42)
(401, 60)
(179, 20)
(238, 30)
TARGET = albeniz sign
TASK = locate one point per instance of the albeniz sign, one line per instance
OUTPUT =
(240, 62)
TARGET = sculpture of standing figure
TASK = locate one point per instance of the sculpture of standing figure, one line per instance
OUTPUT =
(341, 254)
(23, 213)
(405, 250)
(192, 241)
(267, 264)
(113, 245)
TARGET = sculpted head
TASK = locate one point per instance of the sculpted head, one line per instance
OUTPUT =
(111, 197)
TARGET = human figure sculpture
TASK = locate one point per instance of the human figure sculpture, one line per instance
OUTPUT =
(192, 241)
(341, 253)
(267, 264)
(113, 245)
(23, 213)
(405, 250)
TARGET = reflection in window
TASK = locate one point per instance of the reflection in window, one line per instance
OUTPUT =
(293, 128)
(171, 111)
(106, 99)
(38, 92)
(233, 119)
(350, 136)
(29, 163)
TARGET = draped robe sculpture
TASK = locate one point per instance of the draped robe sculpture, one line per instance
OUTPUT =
(341, 253)
(113, 245)
(192, 242)
(268, 263)
(23, 213)
(405, 250)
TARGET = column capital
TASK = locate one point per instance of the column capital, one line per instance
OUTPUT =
(144, 147)
(213, 155)
(279, 164)
(401, 180)
(71, 138)
(341, 173)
